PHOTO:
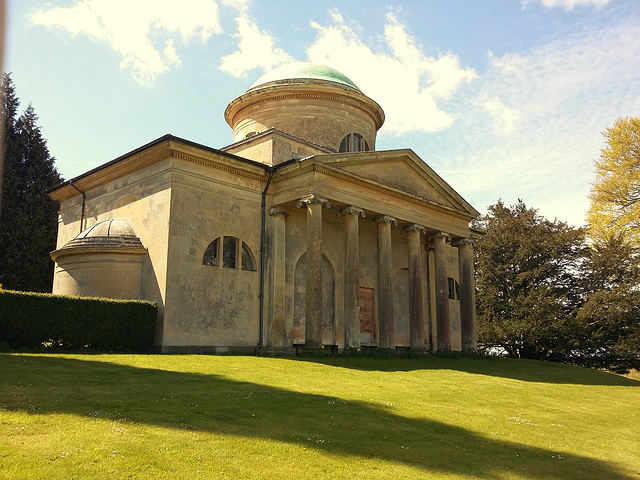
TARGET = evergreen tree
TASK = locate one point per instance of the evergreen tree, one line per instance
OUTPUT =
(527, 278)
(609, 320)
(28, 219)
(543, 293)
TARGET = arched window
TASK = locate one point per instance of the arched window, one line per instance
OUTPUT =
(247, 259)
(211, 255)
(229, 252)
(224, 251)
(354, 142)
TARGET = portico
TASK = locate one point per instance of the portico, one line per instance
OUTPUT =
(400, 257)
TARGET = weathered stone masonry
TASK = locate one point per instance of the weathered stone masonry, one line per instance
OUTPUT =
(300, 234)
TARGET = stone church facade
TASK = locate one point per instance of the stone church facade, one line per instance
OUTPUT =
(300, 234)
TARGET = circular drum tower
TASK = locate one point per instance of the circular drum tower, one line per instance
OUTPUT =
(309, 101)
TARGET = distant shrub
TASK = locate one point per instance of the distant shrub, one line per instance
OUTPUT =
(45, 321)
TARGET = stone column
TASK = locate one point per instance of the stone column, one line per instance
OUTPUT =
(313, 318)
(416, 289)
(276, 335)
(467, 294)
(443, 320)
(352, 276)
(385, 281)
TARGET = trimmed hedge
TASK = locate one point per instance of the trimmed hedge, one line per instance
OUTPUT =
(38, 320)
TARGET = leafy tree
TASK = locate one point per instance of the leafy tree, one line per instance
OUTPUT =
(28, 219)
(615, 194)
(527, 277)
(610, 317)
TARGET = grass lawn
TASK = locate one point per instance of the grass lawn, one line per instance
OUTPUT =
(149, 416)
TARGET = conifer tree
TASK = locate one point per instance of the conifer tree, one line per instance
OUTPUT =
(609, 320)
(527, 274)
(544, 292)
(28, 219)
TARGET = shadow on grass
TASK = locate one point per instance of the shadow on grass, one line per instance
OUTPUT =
(42, 385)
(524, 370)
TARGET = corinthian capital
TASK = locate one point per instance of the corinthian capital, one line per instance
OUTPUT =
(304, 201)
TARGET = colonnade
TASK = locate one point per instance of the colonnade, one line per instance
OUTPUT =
(435, 240)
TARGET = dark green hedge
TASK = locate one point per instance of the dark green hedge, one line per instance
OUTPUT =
(36, 321)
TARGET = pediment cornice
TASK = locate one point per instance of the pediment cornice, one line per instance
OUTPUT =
(331, 166)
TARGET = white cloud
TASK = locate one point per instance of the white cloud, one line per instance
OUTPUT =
(255, 49)
(568, 75)
(505, 118)
(535, 131)
(241, 6)
(409, 85)
(569, 4)
(142, 32)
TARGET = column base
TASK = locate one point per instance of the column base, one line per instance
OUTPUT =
(279, 351)
(305, 351)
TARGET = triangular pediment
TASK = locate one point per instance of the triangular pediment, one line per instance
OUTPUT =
(402, 171)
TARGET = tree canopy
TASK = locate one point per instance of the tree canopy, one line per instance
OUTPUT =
(615, 194)
(28, 217)
(526, 281)
(545, 292)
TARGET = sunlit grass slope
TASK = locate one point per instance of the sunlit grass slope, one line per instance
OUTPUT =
(121, 416)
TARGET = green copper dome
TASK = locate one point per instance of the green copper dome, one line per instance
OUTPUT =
(304, 70)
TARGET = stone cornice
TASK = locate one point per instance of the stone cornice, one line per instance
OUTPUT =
(411, 160)
(218, 166)
(216, 184)
(95, 252)
(304, 91)
(161, 149)
(361, 182)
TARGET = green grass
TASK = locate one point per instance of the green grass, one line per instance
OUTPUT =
(137, 416)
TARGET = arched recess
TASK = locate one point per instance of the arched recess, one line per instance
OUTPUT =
(401, 308)
(300, 301)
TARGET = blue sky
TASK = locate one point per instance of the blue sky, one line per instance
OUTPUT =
(504, 99)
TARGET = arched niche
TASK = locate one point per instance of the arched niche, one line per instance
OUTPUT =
(300, 301)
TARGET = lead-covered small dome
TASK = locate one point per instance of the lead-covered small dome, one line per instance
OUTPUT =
(303, 72)
(105, 236)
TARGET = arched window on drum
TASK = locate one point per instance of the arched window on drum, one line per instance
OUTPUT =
(354, 142)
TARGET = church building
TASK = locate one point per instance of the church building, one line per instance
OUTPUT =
(300, 235)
